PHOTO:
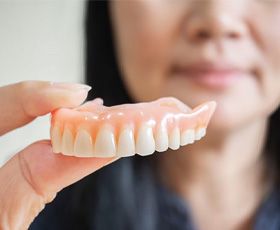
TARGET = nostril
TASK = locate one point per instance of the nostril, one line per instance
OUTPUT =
(206, 35)
(233, 35)
(202, 28)
(203, 35)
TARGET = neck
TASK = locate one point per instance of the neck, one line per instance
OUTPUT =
(221, 175)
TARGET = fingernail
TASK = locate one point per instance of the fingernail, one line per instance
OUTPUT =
(70, 86)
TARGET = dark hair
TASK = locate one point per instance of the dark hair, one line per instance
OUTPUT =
(102, 71)
(125, 191)
(272, 148)
(119, 184)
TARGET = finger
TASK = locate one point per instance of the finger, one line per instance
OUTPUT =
(33, 177)
(49, 172)
(20, 103)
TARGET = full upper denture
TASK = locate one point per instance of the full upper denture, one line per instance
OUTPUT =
(94, 130)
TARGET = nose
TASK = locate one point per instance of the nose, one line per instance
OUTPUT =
(215, 20)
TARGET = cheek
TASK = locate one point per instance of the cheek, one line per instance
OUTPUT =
(144, 45)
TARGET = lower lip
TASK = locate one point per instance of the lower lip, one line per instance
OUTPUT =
(213, 79)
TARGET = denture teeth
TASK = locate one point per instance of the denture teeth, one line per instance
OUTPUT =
(105, 142)
(95, 130)
(67, 142)
(56, 139)
(126, 143)
(174, 139)
(145, 143)
(187, 137)
(83, 144)
(200, 133)
(161, 140)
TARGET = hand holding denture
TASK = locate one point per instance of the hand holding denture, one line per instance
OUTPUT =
(33, 176)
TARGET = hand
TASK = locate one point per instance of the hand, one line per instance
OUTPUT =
(33, 177)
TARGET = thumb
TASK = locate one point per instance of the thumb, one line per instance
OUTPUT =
(32, 178)
(48, 172)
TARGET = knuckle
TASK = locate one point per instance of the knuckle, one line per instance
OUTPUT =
(25, 86)
(28, 96)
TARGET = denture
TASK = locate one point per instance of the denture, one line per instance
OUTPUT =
(95, 130)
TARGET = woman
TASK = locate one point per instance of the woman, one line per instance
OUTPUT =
(194, 50)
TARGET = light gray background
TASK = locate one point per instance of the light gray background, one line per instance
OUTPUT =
(39, 40)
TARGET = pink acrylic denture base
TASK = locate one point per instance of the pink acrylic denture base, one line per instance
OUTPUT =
(165, 112)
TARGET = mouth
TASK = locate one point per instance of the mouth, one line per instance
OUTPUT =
(212, 75)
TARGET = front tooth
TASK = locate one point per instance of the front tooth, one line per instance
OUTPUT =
(67, 142)
(161, 140)
(174, 139)
(83, 144)
(145, 143)
(200, 133)
(126, 143)
(105, 142)
(187, 137)
(56, 139)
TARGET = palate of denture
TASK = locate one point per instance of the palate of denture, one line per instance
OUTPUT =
(95, 130)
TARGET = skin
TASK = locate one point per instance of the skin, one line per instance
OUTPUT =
(34, 175)
(217, 177)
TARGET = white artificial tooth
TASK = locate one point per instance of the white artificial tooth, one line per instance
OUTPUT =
(56, 139)
(174, 139)
(187, 137)
(105, 145)
(67, 142)
(161, 139)
(145, 143)
(83, 144)
(200, 133)
(126, 143)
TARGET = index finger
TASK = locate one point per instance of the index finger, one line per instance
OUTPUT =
(22, 102)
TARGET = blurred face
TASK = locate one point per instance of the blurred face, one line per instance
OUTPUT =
(227, 51)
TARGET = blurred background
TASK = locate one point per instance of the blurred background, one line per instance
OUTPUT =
(39, 40)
